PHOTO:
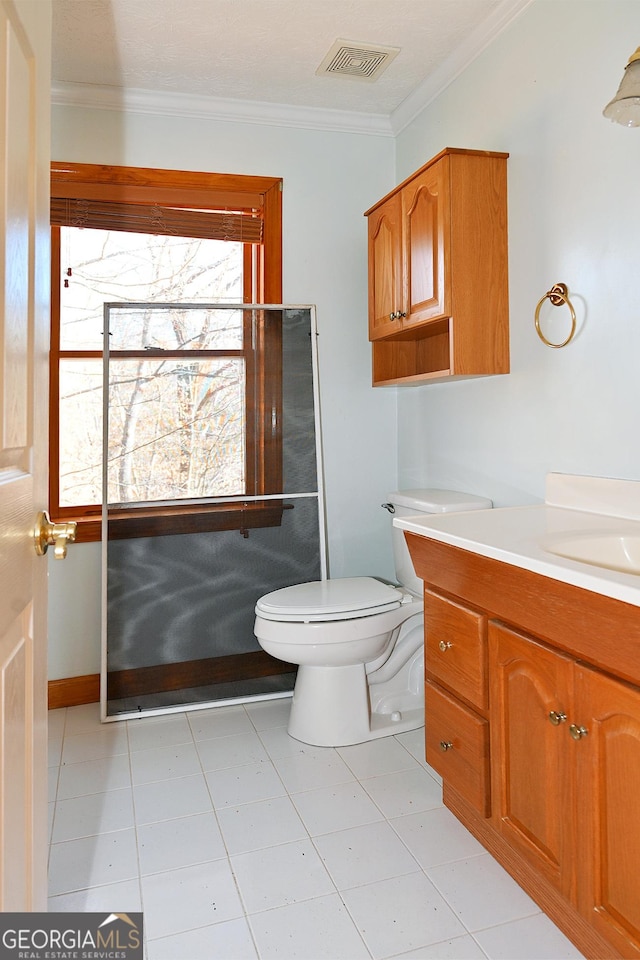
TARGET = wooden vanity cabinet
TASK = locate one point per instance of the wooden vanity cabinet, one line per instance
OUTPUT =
(438, 285)
(560, 805)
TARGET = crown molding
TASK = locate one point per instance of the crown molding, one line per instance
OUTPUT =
(471, 48)
(170, 104)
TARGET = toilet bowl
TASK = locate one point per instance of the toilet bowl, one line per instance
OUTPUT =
(358, 641)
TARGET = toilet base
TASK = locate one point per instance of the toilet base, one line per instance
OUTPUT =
(331, 708)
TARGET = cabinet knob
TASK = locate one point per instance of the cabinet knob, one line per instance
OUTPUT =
(557, 718)
(444, 645)
(446, 745)
(577, 732)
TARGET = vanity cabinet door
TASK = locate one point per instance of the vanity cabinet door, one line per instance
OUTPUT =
(607, 757)
(385, 269)
(533, 783)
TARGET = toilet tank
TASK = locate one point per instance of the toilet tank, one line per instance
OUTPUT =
(408, 503)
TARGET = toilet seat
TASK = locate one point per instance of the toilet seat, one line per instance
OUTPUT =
(322, 600)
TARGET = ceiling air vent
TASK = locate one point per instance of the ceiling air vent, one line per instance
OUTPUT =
(359, 60)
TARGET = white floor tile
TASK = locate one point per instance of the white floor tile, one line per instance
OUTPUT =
(364, 855)
(246, 784)
(179, 843)
(91, 861)
(405, 792)
(231, 751)
(481, 892)
(148, 732)
(54, 752)
(269, 713)
(108, 741)
(181, 900)
(164, 763)
(55, 723)
(312, 769)
(320, 928)
(166, 799)
(279, 875)
(461, 948)
(53, 778)
(436, 836)
(401, 914)
(533, 938)
(94, 776)
(377, 757)
(278, 743)
(230, 940)
(219, 722)
(93, 814)
(413, 741)
(82, 719)
(336, 808)
(253, 826)
(374, 811)
(122, 897)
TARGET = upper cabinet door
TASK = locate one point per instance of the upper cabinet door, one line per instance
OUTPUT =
(426, 245)
(385, 269)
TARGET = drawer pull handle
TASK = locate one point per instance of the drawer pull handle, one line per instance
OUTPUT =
(557, 718)
(446, 745)
(577, 732)
(444, 645)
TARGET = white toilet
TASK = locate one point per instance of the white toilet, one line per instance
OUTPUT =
(358, 641)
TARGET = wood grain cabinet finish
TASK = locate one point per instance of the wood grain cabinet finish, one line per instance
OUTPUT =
(438, 285)
(545, 771)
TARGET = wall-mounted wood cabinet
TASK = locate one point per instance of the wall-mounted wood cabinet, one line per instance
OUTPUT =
(438, 272)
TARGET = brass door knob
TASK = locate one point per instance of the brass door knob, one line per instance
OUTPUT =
(446, 745)
(557, 718)
(444, 645)
(577, 732)
(57, 535)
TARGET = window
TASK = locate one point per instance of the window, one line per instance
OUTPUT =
(153, 236)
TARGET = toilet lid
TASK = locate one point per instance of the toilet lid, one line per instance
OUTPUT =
(340, 599)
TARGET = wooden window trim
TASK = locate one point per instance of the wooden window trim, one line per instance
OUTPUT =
(263, 284)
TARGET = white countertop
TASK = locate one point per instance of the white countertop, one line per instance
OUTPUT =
(518, 535)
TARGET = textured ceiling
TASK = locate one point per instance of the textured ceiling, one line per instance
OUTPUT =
(260, 50)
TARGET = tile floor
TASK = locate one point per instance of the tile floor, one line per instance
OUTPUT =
(239, 842)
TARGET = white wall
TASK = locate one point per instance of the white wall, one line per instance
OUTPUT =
(574, 208)
(330, 179)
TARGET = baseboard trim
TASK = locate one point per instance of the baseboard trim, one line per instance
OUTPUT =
(73, 691)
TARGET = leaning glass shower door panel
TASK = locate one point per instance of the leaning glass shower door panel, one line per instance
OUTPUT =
(212, 454)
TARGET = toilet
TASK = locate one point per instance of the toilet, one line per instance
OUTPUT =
(358, 641)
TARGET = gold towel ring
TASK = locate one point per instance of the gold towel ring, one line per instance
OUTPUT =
(558, 295)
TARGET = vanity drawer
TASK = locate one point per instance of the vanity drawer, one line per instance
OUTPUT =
(456, 648)
(457, 746)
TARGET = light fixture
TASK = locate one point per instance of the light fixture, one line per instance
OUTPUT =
(625, 106)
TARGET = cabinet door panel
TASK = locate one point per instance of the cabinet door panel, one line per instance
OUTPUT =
(385, 269)
(532, 785)
(608, 762)
(426, 223)
(455, 650)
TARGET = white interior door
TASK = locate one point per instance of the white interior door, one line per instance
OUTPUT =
(24, 324)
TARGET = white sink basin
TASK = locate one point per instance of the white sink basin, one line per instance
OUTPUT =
(614, 551)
